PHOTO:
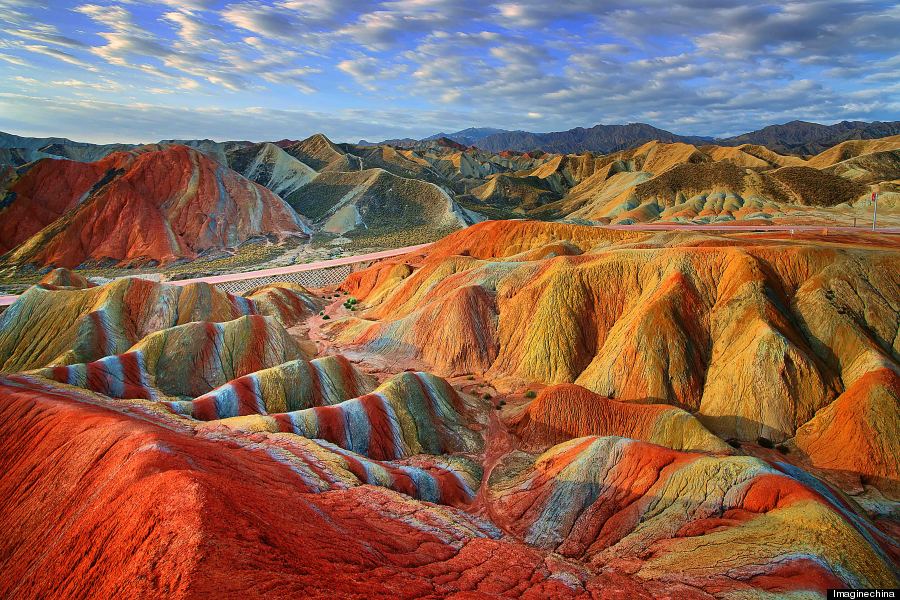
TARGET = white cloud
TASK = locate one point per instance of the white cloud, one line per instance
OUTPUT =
(59, 55)
(369, 72)
(707, 66)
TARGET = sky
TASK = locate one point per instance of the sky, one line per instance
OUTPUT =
(141, 71)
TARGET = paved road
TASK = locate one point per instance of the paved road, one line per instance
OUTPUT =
(324, 264)
(313, 266)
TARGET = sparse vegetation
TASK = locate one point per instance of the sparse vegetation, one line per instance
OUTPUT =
(765, 442)
(531, 394)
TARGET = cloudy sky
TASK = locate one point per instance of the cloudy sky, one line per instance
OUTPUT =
(134, 71)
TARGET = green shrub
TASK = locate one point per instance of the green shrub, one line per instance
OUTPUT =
(326, 317)
(487, 396)
(783, 449)
(531, 394)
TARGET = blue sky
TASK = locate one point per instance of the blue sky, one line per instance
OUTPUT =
(143, 71)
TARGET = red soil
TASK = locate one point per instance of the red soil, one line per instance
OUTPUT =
(49, 189)
(137, 510)
(154, 205)
(563, 412)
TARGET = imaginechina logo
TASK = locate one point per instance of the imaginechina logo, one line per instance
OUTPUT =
(854, 594)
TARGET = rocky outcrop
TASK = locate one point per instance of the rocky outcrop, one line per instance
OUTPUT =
(141, 206)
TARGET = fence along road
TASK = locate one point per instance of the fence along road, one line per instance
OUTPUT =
(334, 271)
(314, 274)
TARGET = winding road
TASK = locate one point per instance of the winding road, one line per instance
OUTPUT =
(275, 271)
(349, 260)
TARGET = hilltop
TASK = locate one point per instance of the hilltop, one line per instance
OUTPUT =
(351, 196)
(522, 408)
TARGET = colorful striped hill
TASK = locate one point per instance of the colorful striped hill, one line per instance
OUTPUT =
(185, 361)
(565, 411)
(411, 413)
(754, 334)
(67, 326)
(720, 524)
(290, 386)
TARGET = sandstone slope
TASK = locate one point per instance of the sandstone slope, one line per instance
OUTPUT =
(153, 205)
(755, 335)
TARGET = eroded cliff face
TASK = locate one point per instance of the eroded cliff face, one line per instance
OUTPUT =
(152, 204)
(752, 335)
(526, 410)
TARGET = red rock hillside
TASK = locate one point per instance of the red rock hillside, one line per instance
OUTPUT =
(158, 204)
(526, 410)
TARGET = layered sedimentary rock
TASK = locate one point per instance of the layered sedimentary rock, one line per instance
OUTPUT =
(411, 413)
(374, 199)
(270, 166)
(226, 499)
(859, 432)
(720, 524)
(68, 326)
(62, 277)
(155, 204)
(287, 387)
(185, 361)
(289, 303)
(564, 411)
(754, 335)
(321, 154)
(183, 441)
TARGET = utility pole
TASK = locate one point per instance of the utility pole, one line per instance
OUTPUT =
(875, 214)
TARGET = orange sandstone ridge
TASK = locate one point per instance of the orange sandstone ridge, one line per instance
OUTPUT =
(754, 335)
(523, 410)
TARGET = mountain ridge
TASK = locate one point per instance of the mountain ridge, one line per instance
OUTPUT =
(803, 137)
(793, 137)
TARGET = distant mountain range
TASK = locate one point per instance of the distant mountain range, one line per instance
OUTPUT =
(802, 137)
(113, 204)
(796, 137)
